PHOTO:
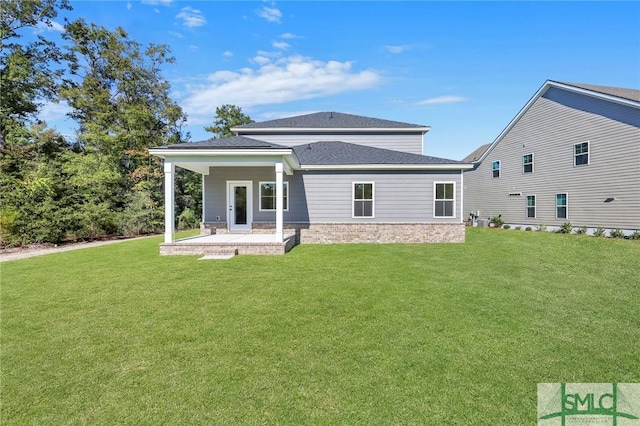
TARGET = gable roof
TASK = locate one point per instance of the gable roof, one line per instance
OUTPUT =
(628, 97)
(329, 121)
(631, 94)
(475, 155)
(336, 153)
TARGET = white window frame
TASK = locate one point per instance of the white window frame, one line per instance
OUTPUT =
(285, 205)
(435, 186)
(353, 199)
(523, 163)
(499, 169)
(527, 206)
(566, 205)
(588, 154)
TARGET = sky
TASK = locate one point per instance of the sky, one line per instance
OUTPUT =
(463, 68)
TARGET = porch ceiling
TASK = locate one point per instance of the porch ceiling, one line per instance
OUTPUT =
(202, 164)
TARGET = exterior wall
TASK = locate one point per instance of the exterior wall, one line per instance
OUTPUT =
(407, 142)
(326, 196)
(549, 130)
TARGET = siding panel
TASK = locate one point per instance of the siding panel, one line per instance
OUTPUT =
(406, 142)
(400, 197)
(549, 130)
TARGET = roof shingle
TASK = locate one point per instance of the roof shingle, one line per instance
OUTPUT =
(330, 120)
(342, 153)
(620, 92)
(227, 143)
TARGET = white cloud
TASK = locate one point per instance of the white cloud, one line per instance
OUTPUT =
(282, 45)
(191, 18)
(271, 14)
(51, 111)
(129, 5)
(42, 27)
(442, 100)
(227, 54)
(396, 48)
(288, 36)
(275, 82)
(176, 34)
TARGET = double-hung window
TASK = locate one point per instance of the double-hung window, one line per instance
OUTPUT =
(527, 163)
(445, 199)
(363, 199)
(561, 206)
(495, 169)
(531, 206)
(268, 196)
(581, 153)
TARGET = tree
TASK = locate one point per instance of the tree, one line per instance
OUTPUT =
(227, 116)
(28, 71)
(122, 105)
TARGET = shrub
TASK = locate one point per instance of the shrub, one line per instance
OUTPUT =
(616, 233)
(506, 226)
(528, 228)
(542, 228)
(599, 232)
(517, 228)
(566, 228)
(635, 235)
(188, 219)
(582, 230)
(497, 221)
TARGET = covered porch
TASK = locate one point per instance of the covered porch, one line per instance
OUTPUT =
(236, 206)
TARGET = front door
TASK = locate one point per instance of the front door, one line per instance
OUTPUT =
(240, 213)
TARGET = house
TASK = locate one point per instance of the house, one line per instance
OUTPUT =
(325, 177)
(572, 154)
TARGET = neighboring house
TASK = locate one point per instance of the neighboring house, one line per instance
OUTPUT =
(325, 178)
(572, 154)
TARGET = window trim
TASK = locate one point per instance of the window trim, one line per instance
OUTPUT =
(588, 154)
(435, 192)
(499, 169)
(566, 205)
(525, 164)
(527, 207)
(285, 207)
(353, 199)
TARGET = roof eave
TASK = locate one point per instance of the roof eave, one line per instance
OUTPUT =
(386, 166)
(254, 130)
(199, 152)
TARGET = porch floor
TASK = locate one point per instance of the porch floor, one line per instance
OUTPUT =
(226, 244)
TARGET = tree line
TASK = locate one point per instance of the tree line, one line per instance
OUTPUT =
(102, 180)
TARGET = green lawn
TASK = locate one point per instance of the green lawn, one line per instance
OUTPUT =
(347, 334)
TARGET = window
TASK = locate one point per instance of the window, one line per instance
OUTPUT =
(561, 206)
(444, 202)
(363, 199)
(268, 196)
(495, 167)
(581, 153)
(527, 163)
(531, 206)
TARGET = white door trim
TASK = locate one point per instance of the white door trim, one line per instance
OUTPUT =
(231, 225)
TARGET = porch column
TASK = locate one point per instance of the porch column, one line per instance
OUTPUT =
(279, 202)
(169, 209)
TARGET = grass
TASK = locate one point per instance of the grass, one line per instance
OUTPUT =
(348, 334)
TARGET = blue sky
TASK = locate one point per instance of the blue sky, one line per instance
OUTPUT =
(463, 68)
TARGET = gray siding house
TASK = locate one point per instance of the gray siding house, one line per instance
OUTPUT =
(323, 178)
(572, 154)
